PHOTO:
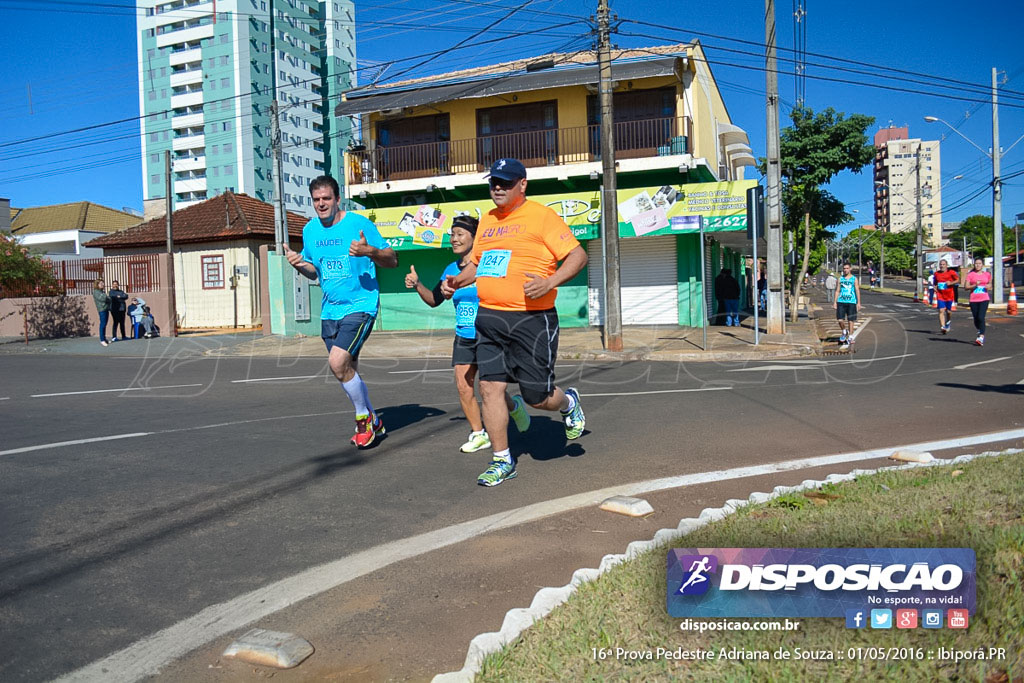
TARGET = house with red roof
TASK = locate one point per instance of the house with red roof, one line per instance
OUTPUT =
(218, 275)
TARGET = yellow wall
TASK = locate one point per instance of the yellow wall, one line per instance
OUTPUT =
(572, 113)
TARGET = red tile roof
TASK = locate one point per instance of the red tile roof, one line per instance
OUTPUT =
(224, 217)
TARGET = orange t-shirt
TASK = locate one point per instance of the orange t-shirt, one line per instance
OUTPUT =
(530, 239)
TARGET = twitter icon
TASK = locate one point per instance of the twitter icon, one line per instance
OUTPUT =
(881, 618)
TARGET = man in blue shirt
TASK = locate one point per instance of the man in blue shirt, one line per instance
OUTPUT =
(343, 250)
(847, 305)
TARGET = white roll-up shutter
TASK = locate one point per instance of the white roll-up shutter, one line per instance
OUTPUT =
(648, 277)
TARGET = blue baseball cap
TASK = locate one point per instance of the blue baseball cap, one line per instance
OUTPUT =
(507, 169)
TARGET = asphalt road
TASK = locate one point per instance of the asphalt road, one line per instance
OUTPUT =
(134, 493)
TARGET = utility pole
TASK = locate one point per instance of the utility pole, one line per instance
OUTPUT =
(775, 321)
(280, 221)
(881, 259)
(918, 293)
(609, 188)
(997, 202)
(280, 217)
(172, 308)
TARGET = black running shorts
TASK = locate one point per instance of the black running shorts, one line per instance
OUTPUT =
(518, 346)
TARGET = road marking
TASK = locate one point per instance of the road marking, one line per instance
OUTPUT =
(833, 362)
(663, 391)
(147, 656)
(107, 391)
(415, 372)
(274, 379)
(980, 362)
(815, 364)
(5, 398)
(76, 442)
(860, 328)
(1021, 382)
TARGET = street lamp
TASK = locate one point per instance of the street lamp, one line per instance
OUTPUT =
(997, 194)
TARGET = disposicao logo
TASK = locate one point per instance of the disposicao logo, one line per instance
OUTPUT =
(817, 582)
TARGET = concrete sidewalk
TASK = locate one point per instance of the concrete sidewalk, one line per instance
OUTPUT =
(663, 343)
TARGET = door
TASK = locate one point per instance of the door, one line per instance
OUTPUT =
(648, 276)
(528, 132)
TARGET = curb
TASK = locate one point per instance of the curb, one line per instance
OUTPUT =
(547, 599)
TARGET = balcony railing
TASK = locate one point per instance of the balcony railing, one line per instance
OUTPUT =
(555, 147)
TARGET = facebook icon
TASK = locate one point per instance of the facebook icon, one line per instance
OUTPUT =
(855, 618)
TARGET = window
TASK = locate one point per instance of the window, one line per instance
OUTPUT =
(229, 169)
(154, 158)
(227, 148)
(154, 137)
(152, 95)
(213, 271)
(214, 171)
(226, 126)
(225, 82)
(224, 60)
(215, 149)
(224, 38)
(154, 179)
(211, 62)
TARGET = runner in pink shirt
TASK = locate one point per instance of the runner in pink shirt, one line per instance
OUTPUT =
(978, 281)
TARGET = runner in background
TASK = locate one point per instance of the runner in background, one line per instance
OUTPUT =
(978, 281)
(847, 305)
(945, 278)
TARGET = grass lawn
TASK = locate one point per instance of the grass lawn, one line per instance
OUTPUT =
(977, 504)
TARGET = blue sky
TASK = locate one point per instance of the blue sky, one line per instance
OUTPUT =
(73, 65)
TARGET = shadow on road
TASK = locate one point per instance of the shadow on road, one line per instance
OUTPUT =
(545, 440)
(1009, 389)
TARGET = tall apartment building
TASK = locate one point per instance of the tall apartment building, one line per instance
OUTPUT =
(902, 165)
(207, 73)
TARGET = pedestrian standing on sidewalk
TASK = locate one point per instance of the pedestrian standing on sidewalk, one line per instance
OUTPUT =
(343, 249)
(118, 308)
(978, 281)
(102, 300)
(831, 282)
(464, 347)
(727, 290)
(847, 305)
(515, 266)
(945, 278)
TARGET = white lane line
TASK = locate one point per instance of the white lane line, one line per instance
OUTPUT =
(147, 656)
(1021, 382)
(274, 379)
(980, 362)
(107, 391)
(663, 391)
(779, 367)
(5, 398)
(76, 442)
(860, 328)
(836, 362)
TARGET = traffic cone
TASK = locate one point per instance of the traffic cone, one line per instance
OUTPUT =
(953, 307)
(1011, 304)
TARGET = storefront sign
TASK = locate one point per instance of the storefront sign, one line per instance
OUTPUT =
(665, 210)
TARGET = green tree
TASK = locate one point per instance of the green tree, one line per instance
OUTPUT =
(980, 234)
(21, 272)
(813, 150)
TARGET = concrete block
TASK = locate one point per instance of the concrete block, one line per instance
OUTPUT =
(907, 455)
(270, 648)
(625, 505)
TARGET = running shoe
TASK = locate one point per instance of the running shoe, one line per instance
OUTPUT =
(497, 472)
(477, 442)
(574, 419)
(842, 337)
(844, 347)
(980, 341)
(103, 343)
(947, 327)
(367, 431)
(519, 414)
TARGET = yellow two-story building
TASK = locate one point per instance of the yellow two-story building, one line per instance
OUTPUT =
(427, 143)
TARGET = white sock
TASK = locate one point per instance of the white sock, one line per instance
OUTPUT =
(366, 395)
(356, 390)
(505, 455)
(572, 404)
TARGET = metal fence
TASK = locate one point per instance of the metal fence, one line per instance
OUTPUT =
(134, 272)
(551, 147)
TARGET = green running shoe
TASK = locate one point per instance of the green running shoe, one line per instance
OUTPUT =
(477, 442)
(519, 414)
(574, 419)
(497, 472)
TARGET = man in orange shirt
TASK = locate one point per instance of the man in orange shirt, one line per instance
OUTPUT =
(514, 263)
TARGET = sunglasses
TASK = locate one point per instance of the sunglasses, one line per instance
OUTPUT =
(503, 184)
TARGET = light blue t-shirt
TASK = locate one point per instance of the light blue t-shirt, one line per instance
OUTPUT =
(349, 282)
(466, 303)
(847, 289)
